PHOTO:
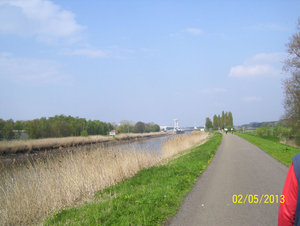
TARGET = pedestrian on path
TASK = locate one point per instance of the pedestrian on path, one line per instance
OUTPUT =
(289, 207)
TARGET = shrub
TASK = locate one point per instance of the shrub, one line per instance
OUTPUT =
(84, 133)
(261, 131)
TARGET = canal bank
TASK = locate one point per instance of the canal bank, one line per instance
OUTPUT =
(69, 180)
(15, 151)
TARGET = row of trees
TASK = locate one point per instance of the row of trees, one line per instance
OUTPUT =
(139, 127)
(223, 121)
(278, 130)
(57, 126)
(8, 127)
(63, 126)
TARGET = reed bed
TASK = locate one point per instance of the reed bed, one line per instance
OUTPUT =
(28, 194)
(14, 146)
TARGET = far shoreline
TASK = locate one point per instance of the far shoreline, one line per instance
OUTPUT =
(27, 146)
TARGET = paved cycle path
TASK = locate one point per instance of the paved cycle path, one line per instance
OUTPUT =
(238, 168)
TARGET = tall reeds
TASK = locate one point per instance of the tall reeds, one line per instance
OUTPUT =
(29, 193)
(14, 146)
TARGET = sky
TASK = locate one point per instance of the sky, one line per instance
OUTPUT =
(149, 61)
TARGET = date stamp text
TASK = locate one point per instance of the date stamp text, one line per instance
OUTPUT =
(264, 198)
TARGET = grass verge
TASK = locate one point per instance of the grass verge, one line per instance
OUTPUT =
(272, 146)
(150, 197)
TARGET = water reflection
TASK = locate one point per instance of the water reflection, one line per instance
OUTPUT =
(149, 145)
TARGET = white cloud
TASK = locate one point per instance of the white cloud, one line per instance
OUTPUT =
(259, 65)
(194, 31)
(246, 71)
(39, 18)
(90, 52)
(32, 71)
(211, 91)
(251, 99)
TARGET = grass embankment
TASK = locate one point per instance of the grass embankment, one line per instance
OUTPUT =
(150, 197)
(272, 146)
(12, 147)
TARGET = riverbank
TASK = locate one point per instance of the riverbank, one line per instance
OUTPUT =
(28, 194)
(21, 146)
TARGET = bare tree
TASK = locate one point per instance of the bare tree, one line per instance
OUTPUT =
(127, 122)
(292, 85)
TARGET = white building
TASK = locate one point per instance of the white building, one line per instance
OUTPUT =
(166, 128)
(112, 133)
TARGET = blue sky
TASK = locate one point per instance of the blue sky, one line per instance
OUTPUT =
(149, 61)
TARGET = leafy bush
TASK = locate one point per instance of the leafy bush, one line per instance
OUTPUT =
(84, 133)
(261, 131)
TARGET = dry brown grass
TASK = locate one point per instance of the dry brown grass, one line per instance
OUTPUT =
(180, 143)
(289, 142)
(28, 194)
(28, 145)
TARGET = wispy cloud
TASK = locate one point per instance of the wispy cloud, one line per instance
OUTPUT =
(32, 71)
(251, 99)
(259, 65)
(194, 31)
(41, 19)
(91, 52)
(87, 52)
(212, 91)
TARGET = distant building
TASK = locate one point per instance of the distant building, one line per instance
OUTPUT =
(112, 133)
(166, 128)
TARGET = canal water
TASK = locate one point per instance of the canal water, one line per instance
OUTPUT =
(149, 144)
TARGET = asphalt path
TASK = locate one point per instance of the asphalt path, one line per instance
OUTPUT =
(238, 168)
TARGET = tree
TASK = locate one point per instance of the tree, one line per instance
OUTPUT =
(155, 128)
(18, 125)
(292, 85)
(222, 120)
(2, 124)
(219, 121)
(128, 122)
(230, 118)
(126, 128)
(215, 122)
(226, 119)
(208, 123)
(8, 130)
(139, 127)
